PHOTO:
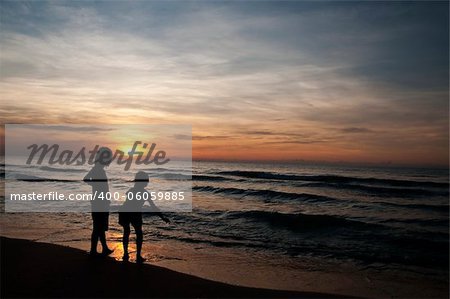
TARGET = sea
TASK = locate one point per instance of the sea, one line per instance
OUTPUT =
(298, 216)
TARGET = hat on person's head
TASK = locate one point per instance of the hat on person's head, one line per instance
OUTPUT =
(141, 176)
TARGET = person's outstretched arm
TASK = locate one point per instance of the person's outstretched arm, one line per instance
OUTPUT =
(164, 218)
(156, 209)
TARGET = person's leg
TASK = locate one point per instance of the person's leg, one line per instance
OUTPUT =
(94, 241)
(102, 237)
(139, 240)
(125, 240)
(102, 234)
(126, 237)
(94, 235)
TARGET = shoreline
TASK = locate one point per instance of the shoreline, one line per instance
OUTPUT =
(34, 269)
(235, 267)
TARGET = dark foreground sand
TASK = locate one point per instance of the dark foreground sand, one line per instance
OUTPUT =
(30, 269)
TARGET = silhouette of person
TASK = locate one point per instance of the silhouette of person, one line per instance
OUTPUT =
(131, 213)
(97, 178)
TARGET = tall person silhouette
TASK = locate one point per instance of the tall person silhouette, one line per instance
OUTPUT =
(97, 178)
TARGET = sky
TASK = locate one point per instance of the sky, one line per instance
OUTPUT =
(360, 82)
(21, 139)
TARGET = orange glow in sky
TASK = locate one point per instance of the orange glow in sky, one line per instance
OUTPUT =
(253, 85)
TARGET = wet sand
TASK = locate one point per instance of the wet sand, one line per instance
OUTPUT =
(33, 269)
(231, 266)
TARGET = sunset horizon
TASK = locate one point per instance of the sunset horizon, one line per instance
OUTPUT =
(298, 85)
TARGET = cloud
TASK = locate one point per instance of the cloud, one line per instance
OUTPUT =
(66, 128)
(215, 137)
(356, 130)
(265, 73)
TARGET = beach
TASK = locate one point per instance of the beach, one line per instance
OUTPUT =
(33, 269)
(362, 232)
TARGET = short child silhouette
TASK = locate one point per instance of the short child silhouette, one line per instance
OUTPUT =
(131, 213)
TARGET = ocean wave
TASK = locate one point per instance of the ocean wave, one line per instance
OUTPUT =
(437, 208)
(48, 168)
(161, 169)
(32, 178)
(270, 194)
(172, 176)
(209, 178)
(422, 222)
(378, 190)
(217, 242)
(297, 221)
(181, 177)
(331, 179)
